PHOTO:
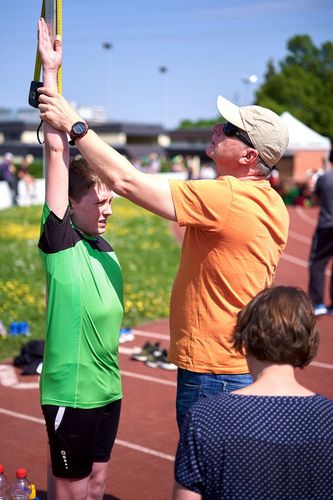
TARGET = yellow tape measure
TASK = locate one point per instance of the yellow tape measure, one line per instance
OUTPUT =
(58, 31)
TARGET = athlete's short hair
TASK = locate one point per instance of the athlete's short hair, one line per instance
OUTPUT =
(279, 326)
(81, 178)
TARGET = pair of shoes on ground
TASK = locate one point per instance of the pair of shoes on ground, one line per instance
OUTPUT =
(321, 309)
(154, 356)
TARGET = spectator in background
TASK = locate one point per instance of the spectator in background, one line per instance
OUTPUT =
(177, 164)
(192, 165)
(28, 179)
(137, 163)
(8, 174)
(274, 438)
(313, 174)
(154, 163)
(207, 171)
(322, 245)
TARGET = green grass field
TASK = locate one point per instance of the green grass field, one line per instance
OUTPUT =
(145, 248)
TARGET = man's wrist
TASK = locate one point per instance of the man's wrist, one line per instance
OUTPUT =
(71, 119)
(78, 130)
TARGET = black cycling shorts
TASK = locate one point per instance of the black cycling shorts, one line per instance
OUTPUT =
(79, 437)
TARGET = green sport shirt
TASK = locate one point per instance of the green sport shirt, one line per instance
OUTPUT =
(84, 314)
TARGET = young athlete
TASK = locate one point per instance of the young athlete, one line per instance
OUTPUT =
(80, 382)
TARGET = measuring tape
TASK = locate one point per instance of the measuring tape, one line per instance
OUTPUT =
(59, 32)
(36, 83)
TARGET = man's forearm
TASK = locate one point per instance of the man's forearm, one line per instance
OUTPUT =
(112, 167)
(149, 191)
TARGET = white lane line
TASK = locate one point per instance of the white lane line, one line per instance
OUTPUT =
(294, 260)
(22, 416)
(301, 213)
(8, 378)
(322, 365)
(299, 237)
(128, 350)
(147, 451)
(119, 442)
(148, 378)
(151, 335)
(300, 262)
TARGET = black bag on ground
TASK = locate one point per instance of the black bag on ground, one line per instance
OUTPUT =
(31, 356)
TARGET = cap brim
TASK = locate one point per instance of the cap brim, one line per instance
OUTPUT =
(229, 111)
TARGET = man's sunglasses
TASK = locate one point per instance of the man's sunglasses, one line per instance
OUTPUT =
(231, 130)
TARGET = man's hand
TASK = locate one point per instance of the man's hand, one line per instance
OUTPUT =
(55, 110)
(50, 54)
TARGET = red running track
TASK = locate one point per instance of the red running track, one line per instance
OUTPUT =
(142, 461)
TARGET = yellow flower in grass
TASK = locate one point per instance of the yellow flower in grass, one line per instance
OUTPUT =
(15, 295)
(14, 231)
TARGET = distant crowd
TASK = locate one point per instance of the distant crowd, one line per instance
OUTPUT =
(12, 174)
(293, 193)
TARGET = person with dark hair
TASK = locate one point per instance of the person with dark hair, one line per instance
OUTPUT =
(236, 230)
(80, 387)
(322, 245)
(8, 174)
(24, 175)
(274, 438)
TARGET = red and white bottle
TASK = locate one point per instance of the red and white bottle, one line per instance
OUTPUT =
(20, 489)
(4, 486)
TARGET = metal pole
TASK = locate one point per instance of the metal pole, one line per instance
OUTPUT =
(108, 47)
(163, 70)
(50, 18)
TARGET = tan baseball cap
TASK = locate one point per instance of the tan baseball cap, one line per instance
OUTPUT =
(267, 131)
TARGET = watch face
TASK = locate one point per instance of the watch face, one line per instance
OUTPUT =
(79, 128)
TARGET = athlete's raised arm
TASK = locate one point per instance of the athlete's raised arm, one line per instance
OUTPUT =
(56, 144)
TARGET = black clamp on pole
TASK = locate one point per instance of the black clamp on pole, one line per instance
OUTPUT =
(33, 94)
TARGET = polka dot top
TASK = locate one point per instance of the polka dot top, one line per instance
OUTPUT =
(237, 447)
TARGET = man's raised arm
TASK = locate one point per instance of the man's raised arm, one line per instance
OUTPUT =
(149, 191)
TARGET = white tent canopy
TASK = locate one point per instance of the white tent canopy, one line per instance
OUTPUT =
(302, 137)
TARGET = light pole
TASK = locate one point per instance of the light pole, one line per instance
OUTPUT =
(163, 70)
(107, 47)
(248, 80)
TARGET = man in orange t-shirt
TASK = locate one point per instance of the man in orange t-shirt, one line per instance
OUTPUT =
(236, 230)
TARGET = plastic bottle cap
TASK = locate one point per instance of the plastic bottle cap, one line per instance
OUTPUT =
(2, 469)
(21, 473)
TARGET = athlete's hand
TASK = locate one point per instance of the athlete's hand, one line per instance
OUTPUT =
(50, 54)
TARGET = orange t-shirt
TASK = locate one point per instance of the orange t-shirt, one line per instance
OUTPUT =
(235, 233)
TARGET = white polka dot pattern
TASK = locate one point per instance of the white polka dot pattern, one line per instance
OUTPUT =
(239, 447)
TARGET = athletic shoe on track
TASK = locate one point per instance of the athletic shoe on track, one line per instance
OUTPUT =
(126, 335)
(147, 350)
(160, 361)
(320, 310)
(330, 311)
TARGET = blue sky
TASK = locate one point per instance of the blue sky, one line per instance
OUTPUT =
(208, 46)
